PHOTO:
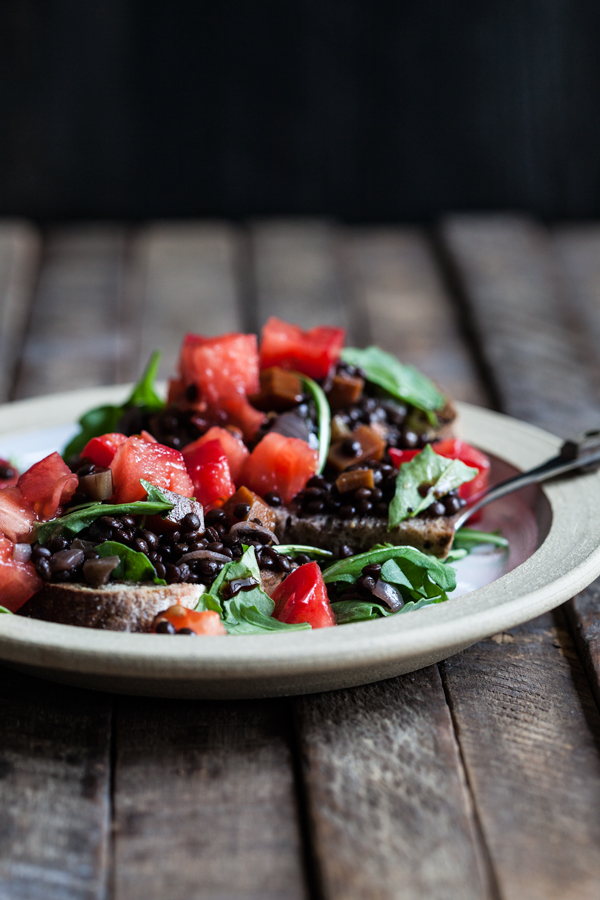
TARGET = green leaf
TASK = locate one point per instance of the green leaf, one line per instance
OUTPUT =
(324, 417)
(78, 519)
(455, 555)
(134, 566)
(350, 569)
(249, 620)
(429, 469)
(3, 609)
(207, 602)
(306, 549)
(143, 393)
(469, 537)
(104, 419)
(347, 611)
(403, 382)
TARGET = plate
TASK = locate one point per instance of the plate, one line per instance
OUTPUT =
(555, 552)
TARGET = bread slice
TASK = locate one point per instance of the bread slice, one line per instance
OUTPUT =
(329, 532)
(116, 606)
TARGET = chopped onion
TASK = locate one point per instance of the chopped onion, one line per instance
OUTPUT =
(388, 594)
(252, 530)
(98, 486)
(22, 552)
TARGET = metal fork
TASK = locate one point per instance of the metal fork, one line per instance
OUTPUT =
(580, 454)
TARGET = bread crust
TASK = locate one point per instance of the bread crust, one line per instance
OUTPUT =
(117, 606)
(329, 532)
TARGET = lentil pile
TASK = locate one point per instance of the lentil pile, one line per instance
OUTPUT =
(322, 497)
(190, 554)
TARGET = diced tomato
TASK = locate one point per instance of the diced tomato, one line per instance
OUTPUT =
(224, 370)
(311, 352)
(232, 445)
(18, 580)
(209, 470)
(160, 465)
(8, 474)
(302, 597)
(47, 485)
(17, 515)
(452, 448)
(207, 622)
(101, 450)
(280, 464)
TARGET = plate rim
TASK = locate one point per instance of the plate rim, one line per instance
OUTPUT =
(325, 657)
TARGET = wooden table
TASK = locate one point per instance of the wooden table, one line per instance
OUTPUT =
(478, 778)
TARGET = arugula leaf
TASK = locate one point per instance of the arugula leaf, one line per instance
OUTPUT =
(80, 518)
(250, 621)
(295, 549)
(347, 611)
(134, 566)
(3, 609)
(439, 474)
(206, 602)
(248, 612)
(324, 414)
(351, 568)
(104, 419)
(403, 382)
(469, 537)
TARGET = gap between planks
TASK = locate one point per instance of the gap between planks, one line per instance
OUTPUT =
(389, 809)
(538, 773)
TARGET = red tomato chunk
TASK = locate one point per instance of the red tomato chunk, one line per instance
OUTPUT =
(209, 470)
(101, 450)
(302, 597)
(312, 353)
(18, 580)
(279, 464)
(207, 622)
(232, 446)
(47, 485)
(160, 465)
(223, 370)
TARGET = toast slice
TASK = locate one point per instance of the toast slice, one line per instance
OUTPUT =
(431, 535)
(116, 606)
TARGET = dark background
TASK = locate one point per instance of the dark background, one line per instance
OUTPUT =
(362, 109)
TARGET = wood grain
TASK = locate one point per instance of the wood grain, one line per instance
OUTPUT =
(183, 277)
(54, 790)
(73, 338)
(529, 733)
(19, 256)
(531, 746)
(387, 799)
(387, 819)
(526, 331)
(576, 249)
(297, 273)
(395, 282)
(205, 802)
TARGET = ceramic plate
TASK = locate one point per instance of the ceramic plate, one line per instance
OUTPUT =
(555, 552)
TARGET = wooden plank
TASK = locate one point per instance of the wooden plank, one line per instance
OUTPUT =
(73, 338)
(576, 249)
(204, 793)
(19, 256)
(54, 790)
(378, 829)
(205, 802)
(529, 733)
(184, 277)
(395, 282)
(297, 273)
(528, 336)
(553, 767)
(387, 798)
